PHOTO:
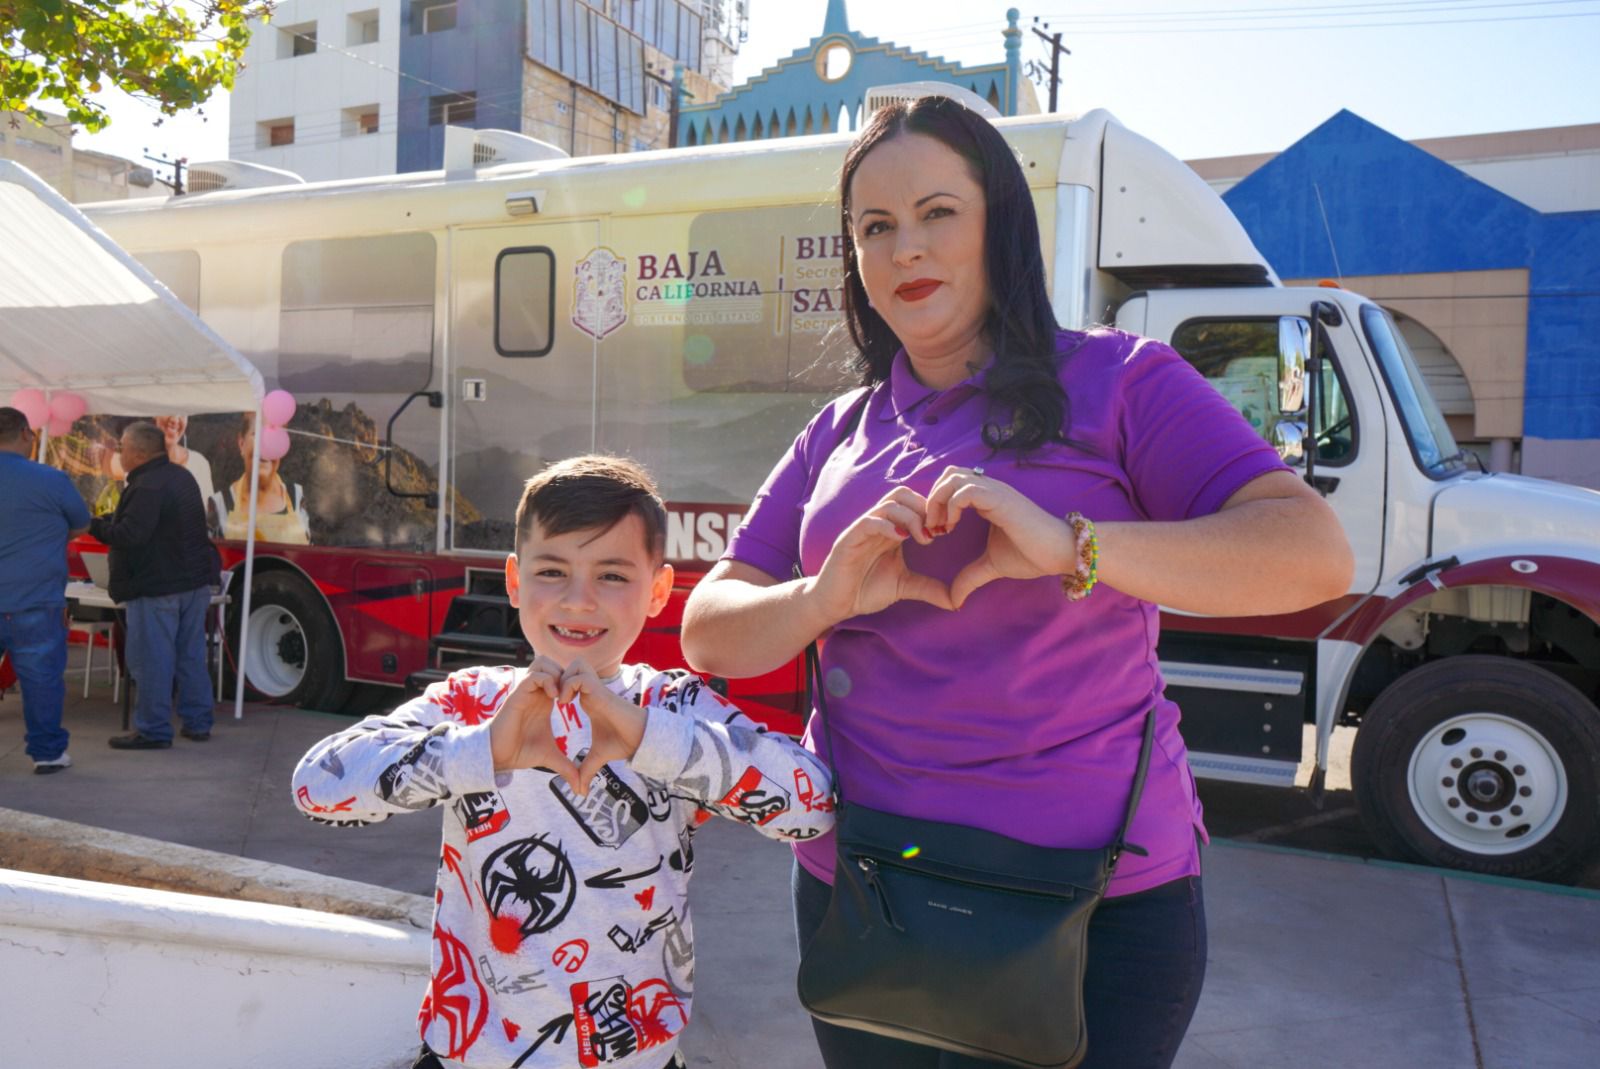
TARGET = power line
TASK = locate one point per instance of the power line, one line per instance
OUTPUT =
(1361, 9)
(1334, 26)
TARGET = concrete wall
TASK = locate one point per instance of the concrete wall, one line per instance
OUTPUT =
(96, 974)
(79, 175)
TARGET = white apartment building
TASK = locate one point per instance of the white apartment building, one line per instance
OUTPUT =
(319, 91)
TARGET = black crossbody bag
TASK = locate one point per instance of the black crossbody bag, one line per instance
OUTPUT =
(955, 937)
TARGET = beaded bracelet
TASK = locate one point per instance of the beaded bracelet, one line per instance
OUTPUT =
(1077, 585)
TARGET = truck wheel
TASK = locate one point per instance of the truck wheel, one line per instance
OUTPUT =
(1484, 764)
(293, 646)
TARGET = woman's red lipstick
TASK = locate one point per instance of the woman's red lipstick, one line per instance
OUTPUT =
(917, 289)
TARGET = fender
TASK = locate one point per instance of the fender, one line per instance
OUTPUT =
(1575, 582)
(1572, 581)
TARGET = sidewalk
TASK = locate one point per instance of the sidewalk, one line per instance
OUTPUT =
(1314, 961)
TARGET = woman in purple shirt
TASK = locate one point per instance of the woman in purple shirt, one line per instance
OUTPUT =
(975, 673)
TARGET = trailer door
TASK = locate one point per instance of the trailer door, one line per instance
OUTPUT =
(521, 365)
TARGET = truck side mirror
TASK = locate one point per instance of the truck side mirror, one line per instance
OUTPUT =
(1289, 439)
(1294, 347)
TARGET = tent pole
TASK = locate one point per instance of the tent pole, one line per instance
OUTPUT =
(254, 475)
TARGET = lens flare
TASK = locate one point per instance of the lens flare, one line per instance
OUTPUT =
(911, 851)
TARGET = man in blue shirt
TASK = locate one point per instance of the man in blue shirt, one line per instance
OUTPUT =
(42, 510)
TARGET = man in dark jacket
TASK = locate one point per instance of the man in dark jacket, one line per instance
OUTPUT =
(163, 566)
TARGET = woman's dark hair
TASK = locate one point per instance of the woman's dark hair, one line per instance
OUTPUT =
(1021, 326)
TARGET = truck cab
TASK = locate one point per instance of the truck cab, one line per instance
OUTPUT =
(1467, 650)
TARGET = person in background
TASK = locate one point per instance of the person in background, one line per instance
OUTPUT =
(163, 567)
(174, 428)
(42, 510)
(987, 528)
(280, 505)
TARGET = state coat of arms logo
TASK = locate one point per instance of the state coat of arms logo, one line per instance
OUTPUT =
(599, 293)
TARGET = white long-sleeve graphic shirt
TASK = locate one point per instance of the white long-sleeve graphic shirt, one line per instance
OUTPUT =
(561, 934)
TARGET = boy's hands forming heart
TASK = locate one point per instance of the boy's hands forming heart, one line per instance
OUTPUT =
(519, 733)
(616, 725)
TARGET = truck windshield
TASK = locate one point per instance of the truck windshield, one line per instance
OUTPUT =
(1432, 443)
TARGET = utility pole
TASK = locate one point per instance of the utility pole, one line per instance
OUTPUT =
(1053, 40)
(674, 92)
(177, 165)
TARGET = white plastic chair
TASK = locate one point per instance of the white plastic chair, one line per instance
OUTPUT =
(219, 600)
(90, 629)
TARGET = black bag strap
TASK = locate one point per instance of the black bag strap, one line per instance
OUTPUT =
(1139, 775)
(813, 658)
(814, 691)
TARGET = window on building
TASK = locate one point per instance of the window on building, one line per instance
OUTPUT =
(453, 109)
(524, 302)
(433, 16)
(362, 28)
(274, 133)
(35, 145)
(361, 121)
(598, 53)
(297, 40)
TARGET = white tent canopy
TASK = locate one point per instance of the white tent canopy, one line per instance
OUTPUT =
(79, 314)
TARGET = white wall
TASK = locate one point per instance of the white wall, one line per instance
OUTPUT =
(1568, 183)
(315, 90)
(96, 974)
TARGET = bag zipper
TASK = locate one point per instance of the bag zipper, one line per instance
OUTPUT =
(955, 875)
(869, 866)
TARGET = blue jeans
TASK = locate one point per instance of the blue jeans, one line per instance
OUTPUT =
(37, 642)
(1147, 961)
(166, 645)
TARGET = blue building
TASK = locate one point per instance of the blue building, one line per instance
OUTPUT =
(1496, 286)
(822, 87)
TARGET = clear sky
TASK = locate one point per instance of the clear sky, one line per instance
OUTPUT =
(1200, 77)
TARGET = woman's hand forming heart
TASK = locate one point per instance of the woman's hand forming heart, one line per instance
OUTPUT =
(1025, 542)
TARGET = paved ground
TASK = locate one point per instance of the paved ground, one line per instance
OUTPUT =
(1315, 960)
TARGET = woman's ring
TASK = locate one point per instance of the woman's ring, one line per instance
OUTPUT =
(977, 471)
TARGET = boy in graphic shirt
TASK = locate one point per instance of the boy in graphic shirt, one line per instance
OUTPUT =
(561, 932)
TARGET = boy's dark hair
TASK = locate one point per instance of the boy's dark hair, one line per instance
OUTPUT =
(593, 492)
(12, 424)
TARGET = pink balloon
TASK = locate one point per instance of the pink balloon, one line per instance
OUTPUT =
(32, 403)
(274, 443)
(277, 408)
(67, 406)
(59, 427)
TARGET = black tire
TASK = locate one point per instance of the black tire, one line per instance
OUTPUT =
(1528, 747)
(296, 656)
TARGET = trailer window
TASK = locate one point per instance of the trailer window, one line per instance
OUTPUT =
(357, 314)
(524, 302)
(1240, 359)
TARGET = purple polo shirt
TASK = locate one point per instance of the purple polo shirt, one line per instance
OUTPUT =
(1022, 713)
